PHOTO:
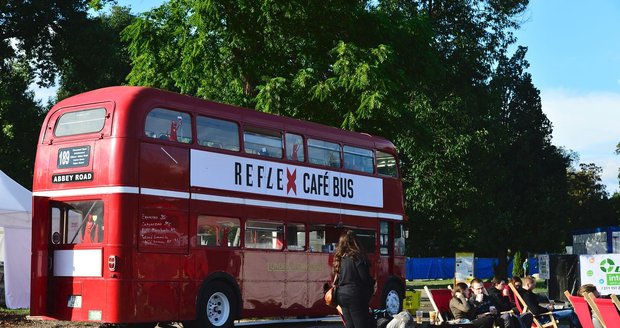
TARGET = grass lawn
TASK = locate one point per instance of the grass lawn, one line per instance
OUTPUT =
(14, 312)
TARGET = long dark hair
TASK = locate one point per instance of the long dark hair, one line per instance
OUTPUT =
(347, 246)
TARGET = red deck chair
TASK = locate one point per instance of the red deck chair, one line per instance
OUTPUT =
(605, 310)
(440, 300)
(522, 307)
(581, 308)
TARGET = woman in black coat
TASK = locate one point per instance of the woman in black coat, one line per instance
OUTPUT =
(355, 285)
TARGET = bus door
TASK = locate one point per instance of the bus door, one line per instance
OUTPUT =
(76, 237)
(41, 261)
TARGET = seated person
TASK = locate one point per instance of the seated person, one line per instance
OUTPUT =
(589, 288)
(531, 300)
(461, 308)
(501, 300)
(482, 302)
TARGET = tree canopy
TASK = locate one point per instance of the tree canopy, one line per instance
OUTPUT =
(444, 80)
(433, 76)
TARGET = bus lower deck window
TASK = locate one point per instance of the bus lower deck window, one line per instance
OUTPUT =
(264, 234)
(218, 231)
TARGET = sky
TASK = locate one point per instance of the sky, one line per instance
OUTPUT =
(574, 56)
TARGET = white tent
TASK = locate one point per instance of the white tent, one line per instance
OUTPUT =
(16, 220)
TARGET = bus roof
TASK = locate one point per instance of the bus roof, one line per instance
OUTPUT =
(129, 97)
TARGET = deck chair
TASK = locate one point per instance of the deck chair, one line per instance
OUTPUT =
(440, 300)
(581, 308)
(605, 310)
(616, 301)
(522, 307)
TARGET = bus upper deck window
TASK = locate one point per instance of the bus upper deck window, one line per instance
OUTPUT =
(358, 159)
(168, 125)
(80, 122)
(323, 153)
(262, 142)
(294, 147)
(386, 164)
(217, 133)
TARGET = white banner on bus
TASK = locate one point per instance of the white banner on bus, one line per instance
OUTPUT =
(601, 270)
(234, 173)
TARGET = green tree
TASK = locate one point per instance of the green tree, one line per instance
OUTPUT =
(590, 206)
(39, 40)
(526, 187)
(20, 122)
(517, 265)
(431, 76)
(89, 54)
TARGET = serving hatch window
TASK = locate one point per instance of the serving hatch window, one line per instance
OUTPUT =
(80, 122)
(264, 234)
(218, 231)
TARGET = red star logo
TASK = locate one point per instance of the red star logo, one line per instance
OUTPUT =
(290, 184)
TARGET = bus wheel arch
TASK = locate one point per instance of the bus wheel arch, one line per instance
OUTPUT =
(218, 302)
(392, 295)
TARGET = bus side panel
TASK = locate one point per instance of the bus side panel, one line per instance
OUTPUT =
(164, 167)
(157, 300)
(393, 187)
(39, 257)
(319, 276)
(263, 282)
(296, 285)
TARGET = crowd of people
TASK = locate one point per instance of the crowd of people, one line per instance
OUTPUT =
(495, 306)
(474, 303)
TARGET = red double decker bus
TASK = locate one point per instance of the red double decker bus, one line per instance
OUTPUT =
(154, 206)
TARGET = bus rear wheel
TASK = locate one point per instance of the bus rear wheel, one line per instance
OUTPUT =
(392, 298)
(216, 306)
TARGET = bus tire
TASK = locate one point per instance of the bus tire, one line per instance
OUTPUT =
(217, 306)
(392, 297)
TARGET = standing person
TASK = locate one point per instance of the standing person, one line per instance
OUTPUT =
(355, 285)
(461, 308)
(526, 266)
(531, 300)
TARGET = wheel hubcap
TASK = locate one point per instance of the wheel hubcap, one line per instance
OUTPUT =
(218, 309)
(392, 302)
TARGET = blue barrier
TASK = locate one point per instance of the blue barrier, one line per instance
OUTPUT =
(443, 267)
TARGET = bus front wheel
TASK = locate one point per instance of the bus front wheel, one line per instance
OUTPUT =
(217, 306)
(392, 298)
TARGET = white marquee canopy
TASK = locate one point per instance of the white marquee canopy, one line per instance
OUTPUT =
(16, 221)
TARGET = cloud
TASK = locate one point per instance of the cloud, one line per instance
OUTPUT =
(587, 123)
